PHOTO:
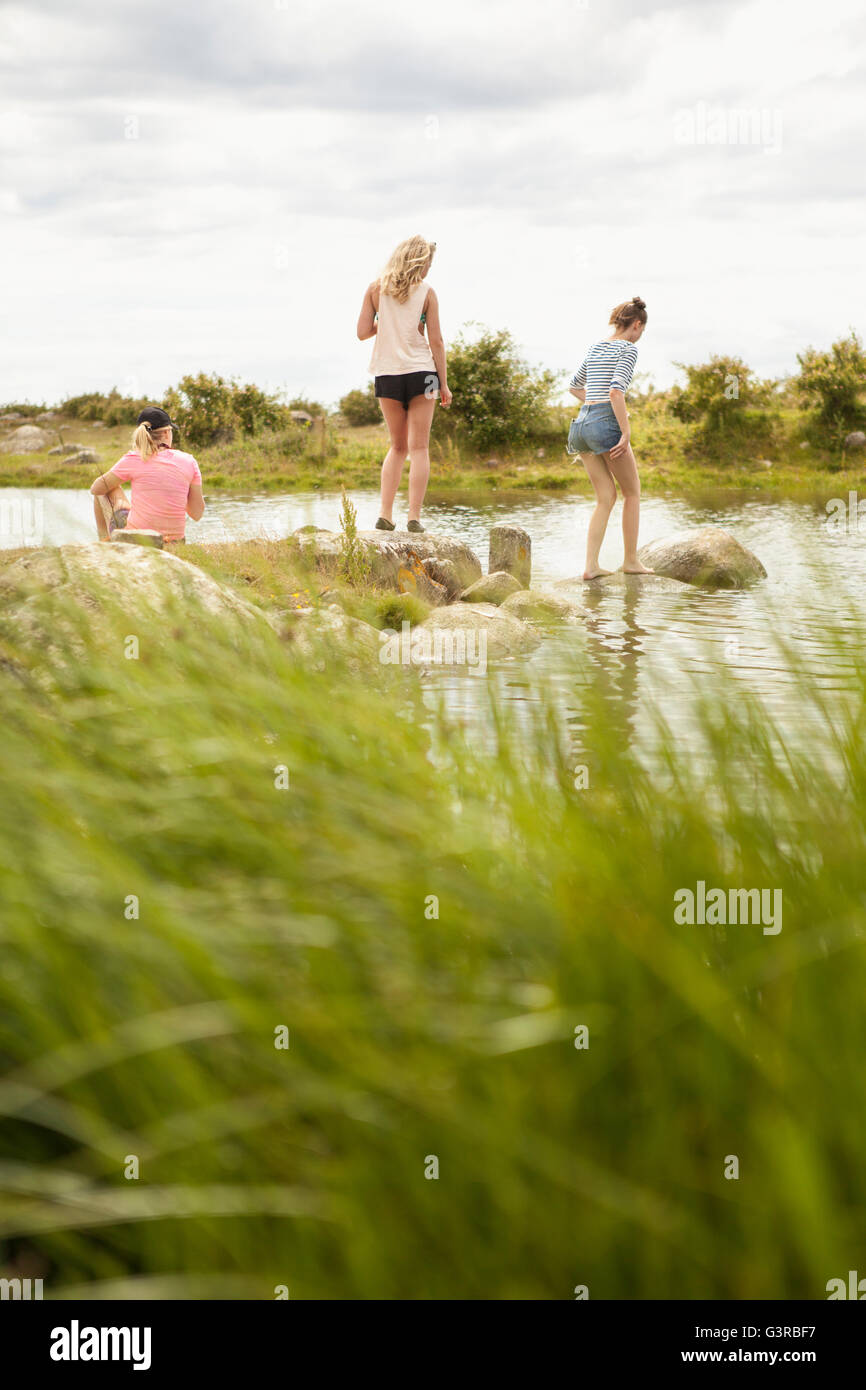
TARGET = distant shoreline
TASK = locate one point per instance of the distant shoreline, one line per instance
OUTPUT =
(351, 457)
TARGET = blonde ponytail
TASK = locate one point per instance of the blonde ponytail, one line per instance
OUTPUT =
(143, 442)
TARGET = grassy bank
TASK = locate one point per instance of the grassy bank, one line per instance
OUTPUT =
(793, 464)
(217, 848)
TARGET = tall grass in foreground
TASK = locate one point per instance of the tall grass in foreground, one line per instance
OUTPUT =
(414, 1031)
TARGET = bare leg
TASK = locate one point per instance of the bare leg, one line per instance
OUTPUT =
(101, 513)
(421, 410)
(392, 468)
(605, 497)
(624, 469)
(105, 506)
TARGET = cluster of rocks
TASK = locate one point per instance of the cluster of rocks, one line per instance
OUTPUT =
(465, 603)
(447, 574)
(32, 439)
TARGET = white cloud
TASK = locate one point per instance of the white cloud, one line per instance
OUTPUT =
(212, 190)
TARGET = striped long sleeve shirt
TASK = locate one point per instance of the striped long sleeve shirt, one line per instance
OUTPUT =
(607, 366)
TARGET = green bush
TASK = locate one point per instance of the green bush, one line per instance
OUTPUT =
(313, 408)
(392, 610)
(727, 405)
(113, 408)
(211, 410)
(361, 407)
(831, 384)
(499, 401)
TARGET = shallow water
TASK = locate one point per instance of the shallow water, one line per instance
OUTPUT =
(643, 637)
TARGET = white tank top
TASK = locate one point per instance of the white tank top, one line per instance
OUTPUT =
(400, 346)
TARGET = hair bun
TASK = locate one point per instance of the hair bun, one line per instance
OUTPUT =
(638, 302)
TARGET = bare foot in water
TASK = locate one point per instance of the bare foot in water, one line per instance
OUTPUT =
(596, 574)
(637, 569)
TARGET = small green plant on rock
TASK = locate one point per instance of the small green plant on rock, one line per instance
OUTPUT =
(354, 561)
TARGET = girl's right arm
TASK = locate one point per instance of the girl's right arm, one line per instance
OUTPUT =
(367, 316)
(617, 401)
(437, 347)
(105, 483)
(195, 502)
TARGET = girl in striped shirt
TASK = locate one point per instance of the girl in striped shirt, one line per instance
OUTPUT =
(602, 437)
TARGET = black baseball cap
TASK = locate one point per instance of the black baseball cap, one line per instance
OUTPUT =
(156, 418)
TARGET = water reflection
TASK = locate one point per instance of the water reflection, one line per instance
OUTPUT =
(644, 637)
(615, 650)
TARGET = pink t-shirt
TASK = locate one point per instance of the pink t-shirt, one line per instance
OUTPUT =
(160, 487)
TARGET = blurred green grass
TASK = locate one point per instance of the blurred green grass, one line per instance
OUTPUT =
(412, 1035)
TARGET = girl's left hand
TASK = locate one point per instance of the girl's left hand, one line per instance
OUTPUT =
(445, 396)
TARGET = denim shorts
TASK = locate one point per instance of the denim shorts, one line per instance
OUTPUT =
(595, 430)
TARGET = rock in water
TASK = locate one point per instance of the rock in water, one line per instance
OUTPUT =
(631, 585)
(511, 550)
(504, 635)
(389, 552)
(537, 605)
(491, 588)
(710, 557)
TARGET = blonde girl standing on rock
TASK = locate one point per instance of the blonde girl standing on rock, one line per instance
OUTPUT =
(409, 369)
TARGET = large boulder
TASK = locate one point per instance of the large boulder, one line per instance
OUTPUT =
(541, 606)
(391, 552)
(491, 588)
(855, 440)
(134, 576)
(464, 623)
(710, 557)
(27, 439)
(320, 632)
(511, 550)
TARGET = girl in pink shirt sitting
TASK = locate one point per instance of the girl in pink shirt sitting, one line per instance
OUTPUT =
(165, 483)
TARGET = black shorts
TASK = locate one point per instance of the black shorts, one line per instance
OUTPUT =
(407, 386)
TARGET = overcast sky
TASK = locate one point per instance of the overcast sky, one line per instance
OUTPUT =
(212, 187)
